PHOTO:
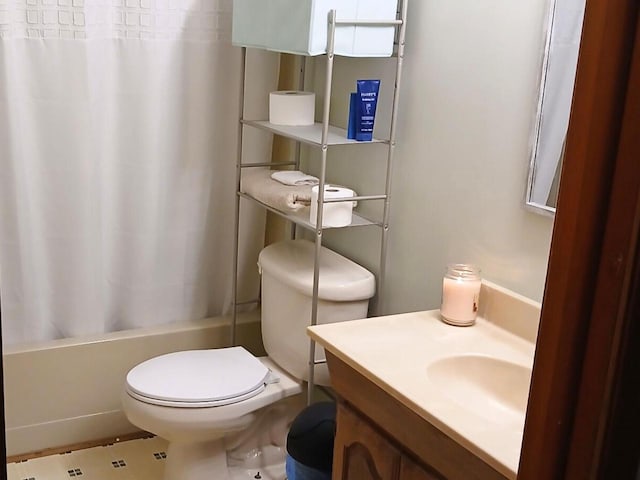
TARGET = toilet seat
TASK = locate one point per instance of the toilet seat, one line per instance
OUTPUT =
(198, 378)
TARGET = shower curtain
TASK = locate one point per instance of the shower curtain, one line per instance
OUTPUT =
(118, 122)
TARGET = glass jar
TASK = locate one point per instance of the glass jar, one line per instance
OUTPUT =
(460, 294)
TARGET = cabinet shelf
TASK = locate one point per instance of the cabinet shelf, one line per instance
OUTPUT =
(302, 217)
(309, 134)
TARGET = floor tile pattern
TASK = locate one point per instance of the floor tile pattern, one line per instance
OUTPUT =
(141, 459)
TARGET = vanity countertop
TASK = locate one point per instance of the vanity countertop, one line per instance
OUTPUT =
(443, 374)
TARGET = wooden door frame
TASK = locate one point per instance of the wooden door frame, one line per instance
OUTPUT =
(619, 455)
(612, 319)
(588, 303)
(3, 436)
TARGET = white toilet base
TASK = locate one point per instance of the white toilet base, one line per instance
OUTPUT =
(221, 442)
(196, 461)
(240, 455)
(187, 461)
(270, 472)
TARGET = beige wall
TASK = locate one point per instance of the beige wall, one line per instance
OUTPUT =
(467, 108)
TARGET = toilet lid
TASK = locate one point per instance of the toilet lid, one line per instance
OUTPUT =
(198, 378)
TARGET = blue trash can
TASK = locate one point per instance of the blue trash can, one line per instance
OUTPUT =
(310, 443)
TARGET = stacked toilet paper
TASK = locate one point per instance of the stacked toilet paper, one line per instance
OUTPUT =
(292, 107)
(336, 214)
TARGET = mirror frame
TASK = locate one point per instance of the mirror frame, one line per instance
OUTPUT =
(530, 204)
(534, 162)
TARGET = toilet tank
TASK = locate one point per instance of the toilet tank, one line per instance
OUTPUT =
(344, 290)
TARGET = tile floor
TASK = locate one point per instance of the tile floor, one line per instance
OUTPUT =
(141, 459)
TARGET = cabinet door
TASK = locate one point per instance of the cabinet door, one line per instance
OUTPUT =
(410, 470)
(360, 452)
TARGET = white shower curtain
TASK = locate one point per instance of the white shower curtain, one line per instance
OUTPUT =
(117, 159)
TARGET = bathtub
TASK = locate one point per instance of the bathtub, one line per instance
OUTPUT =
(66, 392)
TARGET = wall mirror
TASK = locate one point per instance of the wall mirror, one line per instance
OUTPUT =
(554, 103)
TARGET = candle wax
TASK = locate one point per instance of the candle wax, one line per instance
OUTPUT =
(460, 300)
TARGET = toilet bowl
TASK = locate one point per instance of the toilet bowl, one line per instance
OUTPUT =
(197, 400)
(224, 411)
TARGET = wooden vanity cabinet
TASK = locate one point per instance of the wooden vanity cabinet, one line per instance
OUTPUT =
(410, 470)
(363, 453)
(379, 438)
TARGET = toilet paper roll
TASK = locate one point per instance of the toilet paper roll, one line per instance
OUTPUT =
(291, 107)
(333, 214)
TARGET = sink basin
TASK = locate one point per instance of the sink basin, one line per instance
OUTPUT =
(490, 387)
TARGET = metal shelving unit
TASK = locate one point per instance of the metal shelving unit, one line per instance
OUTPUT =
(322, 135)
(310, 135)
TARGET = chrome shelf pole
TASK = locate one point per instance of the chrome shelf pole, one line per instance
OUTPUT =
(236, 232)
(323, 170)
(380, 304)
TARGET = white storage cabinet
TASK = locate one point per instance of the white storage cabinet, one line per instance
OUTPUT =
(300, 26)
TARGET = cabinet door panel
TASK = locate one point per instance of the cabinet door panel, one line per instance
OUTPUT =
(409, 470)
(360, 452)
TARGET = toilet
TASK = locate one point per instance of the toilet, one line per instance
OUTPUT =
(225, 412)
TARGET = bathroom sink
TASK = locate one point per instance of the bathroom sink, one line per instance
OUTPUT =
(471, 383)
(490, 387)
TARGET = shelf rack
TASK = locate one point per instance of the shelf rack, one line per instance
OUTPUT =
(322, 135)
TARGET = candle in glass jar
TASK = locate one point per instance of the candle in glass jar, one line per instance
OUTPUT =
(460, 294)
